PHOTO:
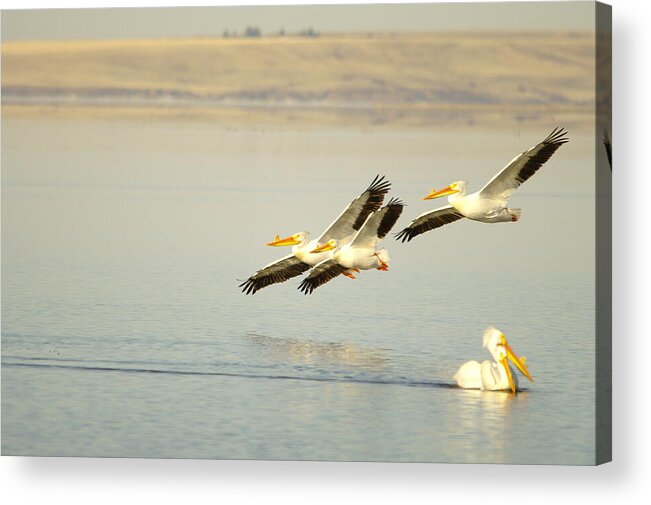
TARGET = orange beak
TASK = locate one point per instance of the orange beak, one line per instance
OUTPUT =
(323, 247)
(279, 242)
(442, 192)
(505, 364)
(520, 363)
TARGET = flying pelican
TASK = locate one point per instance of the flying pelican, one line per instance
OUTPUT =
(358, 254)
(609, 149)
(341, 229)
(493, 375)
(490, 204)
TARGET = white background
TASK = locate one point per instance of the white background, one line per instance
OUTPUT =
(627, 479)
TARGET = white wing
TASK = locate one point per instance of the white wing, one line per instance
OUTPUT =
(279, 271)
(469, 375)
(353, 216)
(524, 166)
(378, 224)
(429, 221)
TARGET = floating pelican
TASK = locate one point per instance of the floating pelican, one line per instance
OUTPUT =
(358, 254)
(609, 149)
(342, 230)
(490, 204)
(493, 375)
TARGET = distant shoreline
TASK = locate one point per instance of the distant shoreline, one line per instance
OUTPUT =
(366, 80)
(309, 118)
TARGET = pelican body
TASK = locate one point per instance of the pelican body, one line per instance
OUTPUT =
(359, 254)
(497, 375)
(491, 203)
(477, 206)
(351, 257)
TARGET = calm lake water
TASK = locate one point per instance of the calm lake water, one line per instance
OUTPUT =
(124, 332)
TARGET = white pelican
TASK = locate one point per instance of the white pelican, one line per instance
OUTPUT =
(493, 375)
(609, 149)
(489, 204)
(341, 229)
(359, 254)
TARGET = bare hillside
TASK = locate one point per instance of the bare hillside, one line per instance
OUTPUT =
(413, 78)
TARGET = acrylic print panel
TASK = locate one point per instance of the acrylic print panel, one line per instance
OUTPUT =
(154, 161)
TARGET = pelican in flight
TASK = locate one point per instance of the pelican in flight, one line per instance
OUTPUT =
(489, 204)
(359, 254)
(495, 375)
(341, 229)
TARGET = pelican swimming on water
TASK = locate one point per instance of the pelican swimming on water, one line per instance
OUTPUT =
(341, 229)
(489, 204)
(495, 375)
(359, 254)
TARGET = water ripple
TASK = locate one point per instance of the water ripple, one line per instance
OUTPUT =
(397, 381)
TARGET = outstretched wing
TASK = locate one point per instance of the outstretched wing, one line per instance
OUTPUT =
(353, 216)
(524, 166)
(274, 273)
(609, 149)
(378, 224)
(429, 221)
(323, 272)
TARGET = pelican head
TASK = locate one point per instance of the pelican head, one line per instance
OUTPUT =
(328, 246)
(495, 342)
(455, 187)
(296, 239)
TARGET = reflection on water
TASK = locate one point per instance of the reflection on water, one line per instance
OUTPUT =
(125, 334)
(491, 414)
(308, 352)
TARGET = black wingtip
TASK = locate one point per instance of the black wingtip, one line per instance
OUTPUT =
(606, 139)
(558, 136)
(374, 195)
(250, 286)
(379, 184)
(404, 235)
(609, 148)
(305, 287)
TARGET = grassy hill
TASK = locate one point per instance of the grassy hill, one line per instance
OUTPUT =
(413, 79)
